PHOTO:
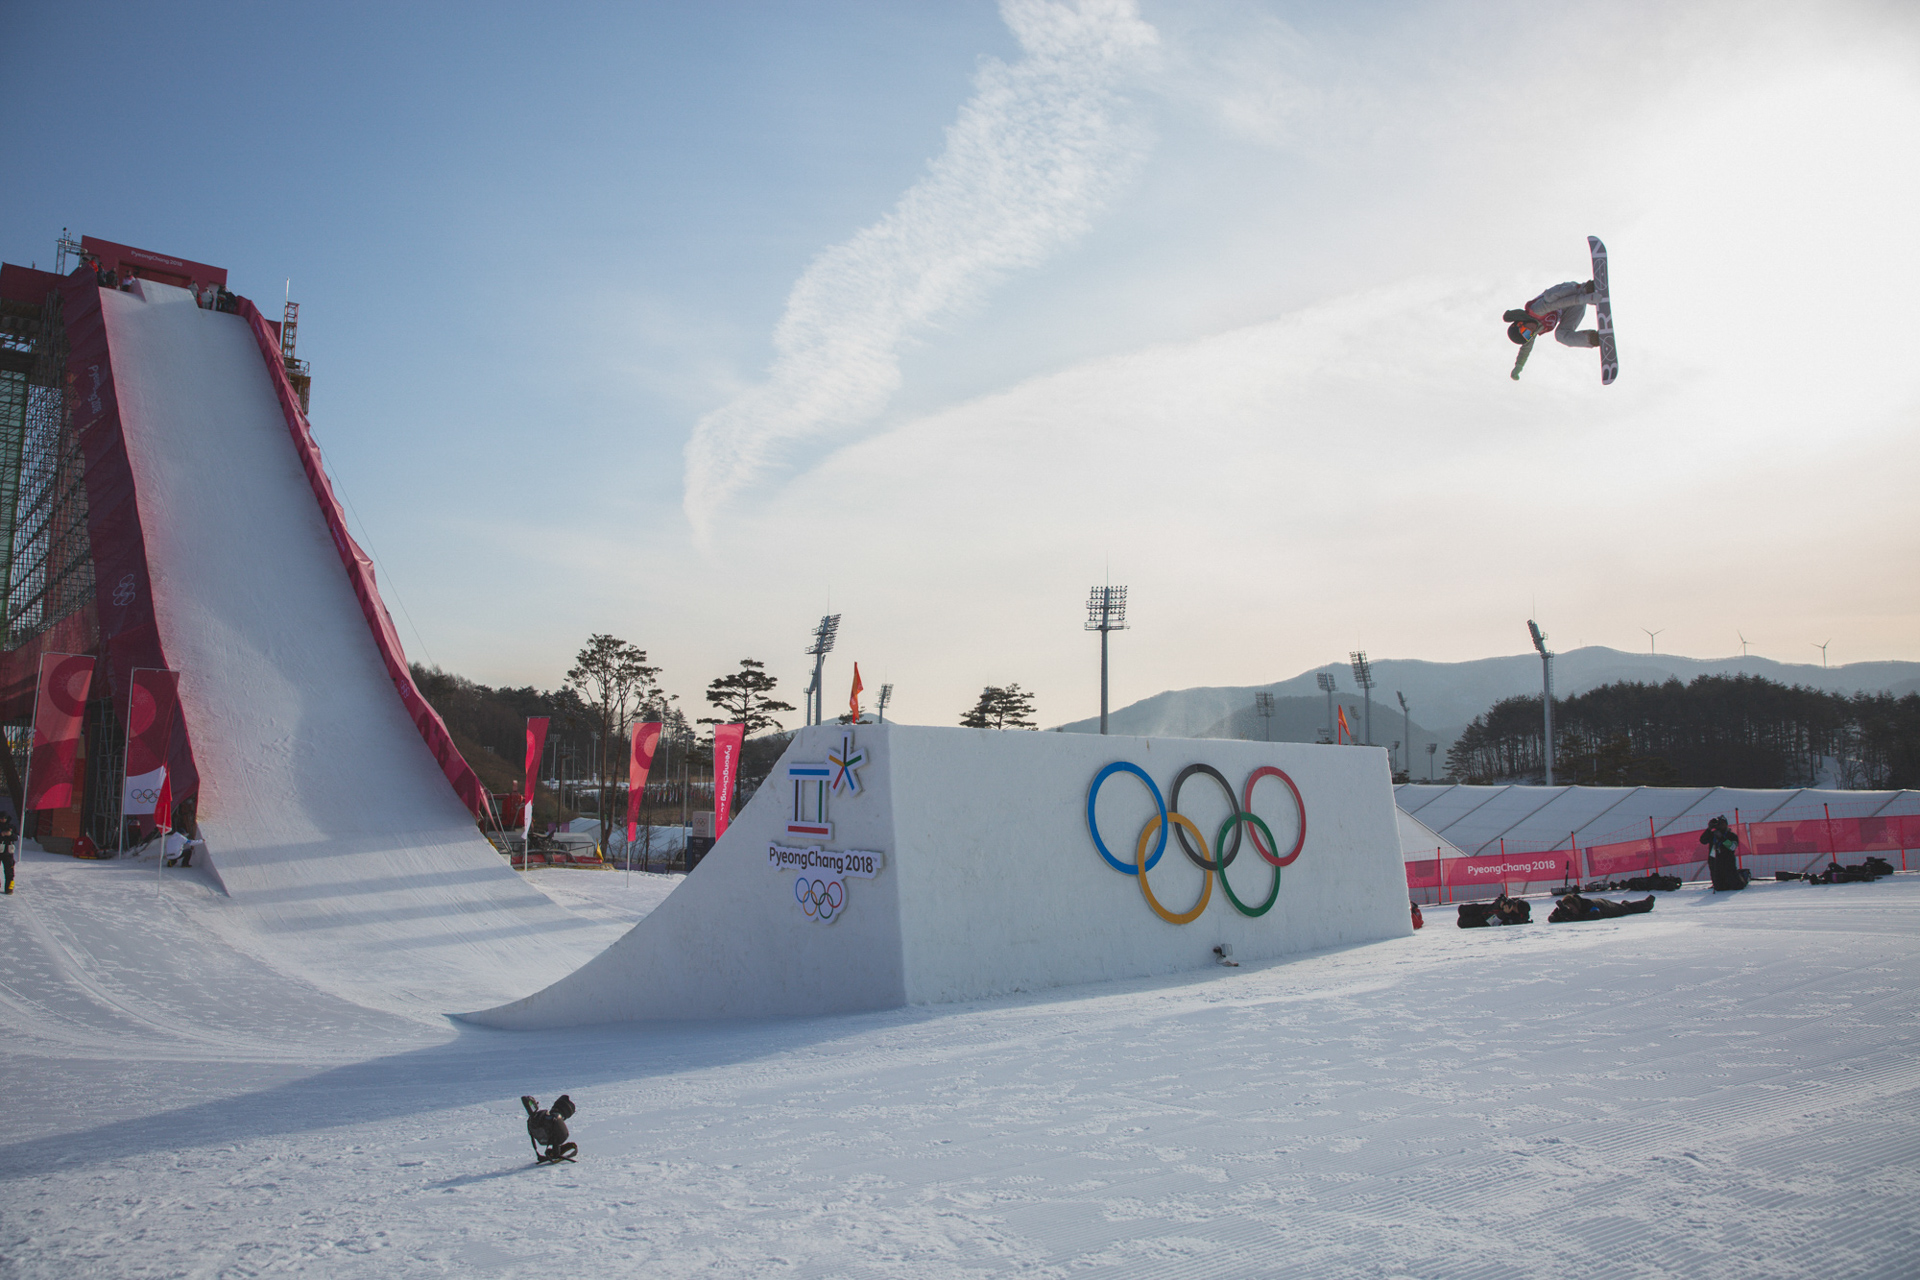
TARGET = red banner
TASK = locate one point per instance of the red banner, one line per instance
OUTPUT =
(645, 738)
(1793, 844)
(727, 740)
(151, 706)
(536, 747)
(59, 714)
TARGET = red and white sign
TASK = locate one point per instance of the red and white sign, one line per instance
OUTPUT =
(536, 747)
(645, 738)
(59, 714)
(727, 740)
(153, 699)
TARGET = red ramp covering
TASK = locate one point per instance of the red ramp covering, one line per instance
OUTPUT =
(359, 568)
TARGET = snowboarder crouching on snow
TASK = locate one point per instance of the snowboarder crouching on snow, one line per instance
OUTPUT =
(1558, 311)
(1573, 907)
(548, 1128)
(178, 848)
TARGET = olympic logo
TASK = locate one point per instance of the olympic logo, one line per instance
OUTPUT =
(1226, 843)
(821, 899)
(125, 590)
(145, 794)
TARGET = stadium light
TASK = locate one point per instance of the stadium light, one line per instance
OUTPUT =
(1106, 611)
(1546, 688)
(1406, 731)
(1363, 676)
(1263, 707)
(1326, 687)
(823, 637)
(886, 696)
(1431, 748)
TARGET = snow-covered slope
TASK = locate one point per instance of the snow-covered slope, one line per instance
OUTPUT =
(328, 820)
(1722, 1089)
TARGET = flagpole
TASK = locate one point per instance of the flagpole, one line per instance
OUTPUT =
(26, 776)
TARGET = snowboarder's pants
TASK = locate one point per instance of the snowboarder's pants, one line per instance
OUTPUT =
(6, 861)
(1570, 300)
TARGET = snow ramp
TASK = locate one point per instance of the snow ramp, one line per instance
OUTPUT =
(331, 822)
(970, 863)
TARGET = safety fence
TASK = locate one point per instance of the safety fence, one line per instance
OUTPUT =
(1806, 843)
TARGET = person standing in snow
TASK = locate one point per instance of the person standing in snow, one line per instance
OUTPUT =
(7, 838)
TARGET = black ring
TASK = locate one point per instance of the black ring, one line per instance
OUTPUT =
(1198, 859)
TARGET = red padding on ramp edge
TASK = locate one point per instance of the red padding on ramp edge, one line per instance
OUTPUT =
(359, 566)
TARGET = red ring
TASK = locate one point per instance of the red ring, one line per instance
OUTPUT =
(1246, 802)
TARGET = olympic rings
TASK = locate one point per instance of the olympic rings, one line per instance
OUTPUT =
(1199, 858)
(821, 898)
(1273, 894)
(1093, 825)
(1226, 844)
(1246, 803)
(1140, 867)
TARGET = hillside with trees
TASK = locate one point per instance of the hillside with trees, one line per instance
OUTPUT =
(1733, 731)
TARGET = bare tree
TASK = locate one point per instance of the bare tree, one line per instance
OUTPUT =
(614, 679)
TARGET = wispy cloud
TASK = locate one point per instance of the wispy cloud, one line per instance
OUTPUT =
(1034, 155)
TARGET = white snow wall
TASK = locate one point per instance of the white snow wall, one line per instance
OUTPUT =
(991, 882)
(324, 812)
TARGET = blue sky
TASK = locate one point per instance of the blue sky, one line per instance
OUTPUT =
(688, 322)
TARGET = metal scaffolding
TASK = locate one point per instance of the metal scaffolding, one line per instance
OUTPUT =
(50, 569)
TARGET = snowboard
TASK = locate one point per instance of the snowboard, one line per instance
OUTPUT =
(1603, 310)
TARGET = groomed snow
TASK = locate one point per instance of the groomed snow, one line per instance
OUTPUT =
(1725, 1088)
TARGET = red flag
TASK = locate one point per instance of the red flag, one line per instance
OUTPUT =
(645, 738)
(1345, 733)
(152, 700)
(59, 711)
(854, 700)
(536, 744)
(727, 739)
(163, 804)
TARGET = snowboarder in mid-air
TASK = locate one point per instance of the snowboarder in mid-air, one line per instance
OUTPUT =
(1559, 311)
(548, 1128)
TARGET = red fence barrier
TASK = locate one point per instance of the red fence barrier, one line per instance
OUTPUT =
(1793, 844)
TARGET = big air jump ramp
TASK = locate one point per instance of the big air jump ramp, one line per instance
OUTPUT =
(328, 819)
(966, 865)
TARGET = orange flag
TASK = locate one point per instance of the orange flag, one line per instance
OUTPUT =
(1345, 733)
(854, 698)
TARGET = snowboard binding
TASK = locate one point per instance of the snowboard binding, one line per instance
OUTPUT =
(548, 1128)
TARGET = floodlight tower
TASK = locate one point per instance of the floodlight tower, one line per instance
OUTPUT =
(1546, 688)
(1263, 707)
(886, 696)
(1326, 687)
(823, 638)
(1106, 611)
(1363, 676)
(1431, 748)
(1406, 731)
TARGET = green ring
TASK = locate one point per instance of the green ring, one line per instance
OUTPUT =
(1220, 843)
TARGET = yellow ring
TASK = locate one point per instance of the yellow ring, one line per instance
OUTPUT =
(1140, 866)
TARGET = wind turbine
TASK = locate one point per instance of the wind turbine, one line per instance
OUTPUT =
(1650, 636)
(1823, 651)
(1743, 644)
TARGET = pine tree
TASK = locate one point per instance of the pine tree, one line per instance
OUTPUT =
(746, 698)
(1008, 708)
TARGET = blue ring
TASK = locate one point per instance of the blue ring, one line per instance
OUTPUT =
(1093, 826)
